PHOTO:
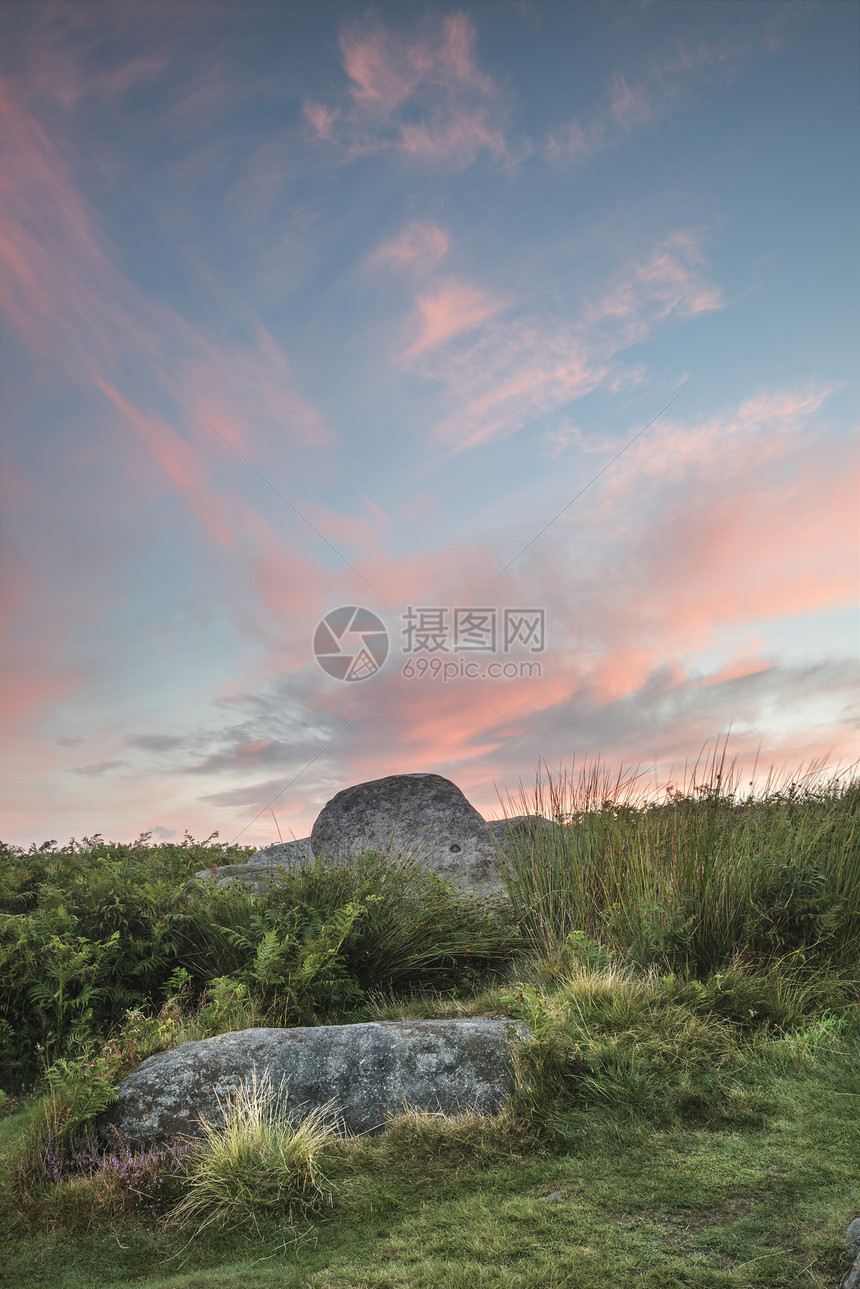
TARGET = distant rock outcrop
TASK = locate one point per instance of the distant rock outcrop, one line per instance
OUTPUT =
(371, 1071)
(264, 865)
(422, 815)
(525, 830)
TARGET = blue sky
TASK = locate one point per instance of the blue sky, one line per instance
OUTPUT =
(311, 306)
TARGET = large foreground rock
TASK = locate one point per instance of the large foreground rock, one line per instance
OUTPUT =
(371, 1070)
(423, 815)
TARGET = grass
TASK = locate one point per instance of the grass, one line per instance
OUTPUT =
(255, 1163)
(463, 1203)
(686, 1113)
(697, 875)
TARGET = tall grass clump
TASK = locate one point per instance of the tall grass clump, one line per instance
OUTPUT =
(693, 879)
(256, 1163)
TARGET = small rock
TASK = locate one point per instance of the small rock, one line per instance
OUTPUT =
(852, 1239)
(523, 830)
(290, 854)
(259, 869)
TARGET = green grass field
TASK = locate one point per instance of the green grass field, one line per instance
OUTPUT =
(686, 1113)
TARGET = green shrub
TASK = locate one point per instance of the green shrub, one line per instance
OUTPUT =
(89, 936)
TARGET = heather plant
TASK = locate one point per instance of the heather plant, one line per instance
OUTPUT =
(148, 1183)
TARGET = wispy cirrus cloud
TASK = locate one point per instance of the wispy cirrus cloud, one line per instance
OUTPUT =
(575, 142)
(498, 374)
(385, 70)
(760, 431)
(456, 307)
(419, 246)
(637, 101)
(458, 140)
(670, 281)
(320, 118)
(61, 57)
(81, 320)
(423, 96)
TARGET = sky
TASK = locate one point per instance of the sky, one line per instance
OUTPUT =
(522, 330)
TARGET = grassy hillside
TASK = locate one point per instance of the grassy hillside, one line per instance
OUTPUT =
(686, 1112)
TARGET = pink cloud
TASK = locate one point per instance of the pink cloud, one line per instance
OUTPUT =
(458, 54)
(365, 531)
(320, 118)
(636, 104)
(702, 551)
(629, 107)
(671, 78)
(77, 312)
(180, 465)
(59, 59)
(626, 625)
(502, 374)
(36, 676)
(459, 139)
(33, 677)
(705, 555)
(422, 95)
(454, 308)
(638, 645)
(574, 142)
(63, 293)
(246, 391)
(423, 724)
(420, 244)
(756, 435)
(668, 281)
(384, 70)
